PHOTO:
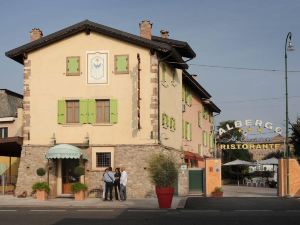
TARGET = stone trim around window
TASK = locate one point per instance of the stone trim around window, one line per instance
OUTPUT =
(96, 150)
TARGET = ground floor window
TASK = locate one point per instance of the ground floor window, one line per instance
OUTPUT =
(102, 157)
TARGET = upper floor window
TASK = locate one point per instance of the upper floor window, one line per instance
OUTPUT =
(72, 111)
(102, 111)
(3, 132)
(87, 111)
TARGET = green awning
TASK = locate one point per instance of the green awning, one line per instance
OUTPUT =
(65, 151)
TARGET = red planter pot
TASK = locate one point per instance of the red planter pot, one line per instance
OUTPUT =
(164, 196)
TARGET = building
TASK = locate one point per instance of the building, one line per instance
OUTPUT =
(108, 98)
(11, 122)
(197, 122)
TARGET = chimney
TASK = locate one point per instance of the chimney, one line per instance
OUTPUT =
(146, 29)
(164, 34)
(35, 34)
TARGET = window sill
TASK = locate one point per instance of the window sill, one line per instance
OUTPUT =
(72, 125)
(102, 124)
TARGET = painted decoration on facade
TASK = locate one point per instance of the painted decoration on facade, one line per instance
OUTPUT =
(97, 68)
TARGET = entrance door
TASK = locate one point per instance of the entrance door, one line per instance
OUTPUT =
(68, 176)
(195, 181)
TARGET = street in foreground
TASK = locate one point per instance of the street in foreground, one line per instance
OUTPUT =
(258, 211)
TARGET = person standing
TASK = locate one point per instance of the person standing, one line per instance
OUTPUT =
(109, 183)
(117, 183)
(104, 184)
(123, 183)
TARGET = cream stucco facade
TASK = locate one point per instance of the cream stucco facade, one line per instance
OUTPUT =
(49, 83)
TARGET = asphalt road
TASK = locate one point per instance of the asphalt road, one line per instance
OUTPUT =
(203, 211)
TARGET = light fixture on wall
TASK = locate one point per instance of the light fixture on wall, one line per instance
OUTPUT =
(53, 139)
(87, 139)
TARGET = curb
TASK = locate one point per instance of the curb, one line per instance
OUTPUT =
(182, 203)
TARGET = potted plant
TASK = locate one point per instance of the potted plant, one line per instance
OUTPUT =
(41, 189)
(218, 192)
(79, 191)
(163, 173)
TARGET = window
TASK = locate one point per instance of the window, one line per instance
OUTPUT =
(204, 138)
(87, 111)
(103, 159)
(188, 130)
(72, 111)
(200, 150)
(3, 132)
(73, 65)
(199, 118)
(102, 111)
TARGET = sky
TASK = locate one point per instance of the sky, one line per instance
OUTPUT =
(232, 33)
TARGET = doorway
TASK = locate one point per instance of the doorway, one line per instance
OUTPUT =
(195, 181)
(68, 176)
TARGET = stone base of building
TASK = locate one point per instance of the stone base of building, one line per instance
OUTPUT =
(133, 157)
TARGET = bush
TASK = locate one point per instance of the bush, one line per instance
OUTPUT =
(77, 187)
(40, 172)
(218, 189)
(41, 186)
(79, 171)
(162, 170)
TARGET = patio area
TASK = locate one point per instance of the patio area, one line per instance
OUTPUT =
(246, 191)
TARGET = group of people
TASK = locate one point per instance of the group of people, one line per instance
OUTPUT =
(117, 181)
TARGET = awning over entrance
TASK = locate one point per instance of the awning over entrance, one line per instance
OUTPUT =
(65, 151)
(192, 156)
(11, 146)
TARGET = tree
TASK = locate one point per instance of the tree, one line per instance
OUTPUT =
(232, 136)
(295, 138)
(277, 155)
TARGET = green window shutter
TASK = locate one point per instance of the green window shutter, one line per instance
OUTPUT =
(91, 111)
(203, 138)
(73, 65)
(83, 111)
(186, 96)
(167, 121)
(61, 114)
(121, 64)
(199, 118)
(186, 130)
(190, 99)
(191, 131)
(174, 124)
(113, 111)
(183, 93)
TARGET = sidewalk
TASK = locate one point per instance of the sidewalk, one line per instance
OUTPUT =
(146, 203)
